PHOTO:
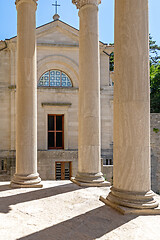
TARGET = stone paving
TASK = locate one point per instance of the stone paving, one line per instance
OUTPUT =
(62, 210)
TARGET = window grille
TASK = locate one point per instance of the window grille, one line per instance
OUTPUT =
(63, 170)
(3, 165)
(108, 161)
(54, 78)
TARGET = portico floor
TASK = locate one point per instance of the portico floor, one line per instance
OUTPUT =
(62, 210)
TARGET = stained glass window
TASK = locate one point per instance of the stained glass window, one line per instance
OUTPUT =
(54, 78)
(44, 80)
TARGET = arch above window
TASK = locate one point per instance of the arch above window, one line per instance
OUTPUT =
(54, 78)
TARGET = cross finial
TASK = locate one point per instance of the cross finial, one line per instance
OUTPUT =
(56, 5)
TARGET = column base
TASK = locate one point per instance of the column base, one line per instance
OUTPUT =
(26, 181)
(127, 210)
(132, 202)
(90, 180)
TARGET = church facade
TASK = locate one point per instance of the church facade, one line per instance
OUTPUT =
(57, 104)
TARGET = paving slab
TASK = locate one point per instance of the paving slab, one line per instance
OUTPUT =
(62, 210)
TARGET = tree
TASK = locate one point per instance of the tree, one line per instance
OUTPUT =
(154, 51)
(155, 88)
(154, 76)
(111, 62)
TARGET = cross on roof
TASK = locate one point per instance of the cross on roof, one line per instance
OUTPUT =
(56, 5)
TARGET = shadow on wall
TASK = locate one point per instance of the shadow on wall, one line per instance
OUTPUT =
(89, 226)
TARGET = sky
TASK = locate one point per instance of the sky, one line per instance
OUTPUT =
(69, 14)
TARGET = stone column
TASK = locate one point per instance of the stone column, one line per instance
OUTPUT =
(131, 151)
(26, 97)
(89, 148)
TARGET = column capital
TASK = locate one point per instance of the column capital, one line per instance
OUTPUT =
(81, 3)
(17, 2)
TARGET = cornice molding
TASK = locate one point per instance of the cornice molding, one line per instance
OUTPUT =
(81, 3)
(20, 1)
(11, 45)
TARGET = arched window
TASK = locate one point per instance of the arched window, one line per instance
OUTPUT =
(54, 78)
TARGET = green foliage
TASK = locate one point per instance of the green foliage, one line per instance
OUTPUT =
(154, 51)
(111, 65)
(111, 59)
(155, 88)
(154, 76)
(156, 130)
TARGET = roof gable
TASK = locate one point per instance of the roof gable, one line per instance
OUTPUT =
(57, 32)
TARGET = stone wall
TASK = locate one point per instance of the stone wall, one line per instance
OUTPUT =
(155, 151)
(108, 173)
(45, 162)
(7, 164)
(4, 100)
(46, 159)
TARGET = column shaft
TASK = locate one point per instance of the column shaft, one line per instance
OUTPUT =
(89, 92)
(131, 152)
(26, 97)
(89, 148)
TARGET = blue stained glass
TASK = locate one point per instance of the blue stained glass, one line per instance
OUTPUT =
(52, 73)
(44, 80)
(55, 78)
(66, 82)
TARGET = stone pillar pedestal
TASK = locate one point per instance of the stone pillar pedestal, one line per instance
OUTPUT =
(131, 149)
(26, 97)
(89, 148)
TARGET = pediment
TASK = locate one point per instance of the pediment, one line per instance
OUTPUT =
(57, 32)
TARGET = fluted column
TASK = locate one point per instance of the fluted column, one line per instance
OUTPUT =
(89, 149)
(26, 97)
(131, 152)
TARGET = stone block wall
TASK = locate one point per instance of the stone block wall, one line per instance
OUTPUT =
(4, 100)
(108, 173)
(47, 159)
(155, 151)
(7, 164)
